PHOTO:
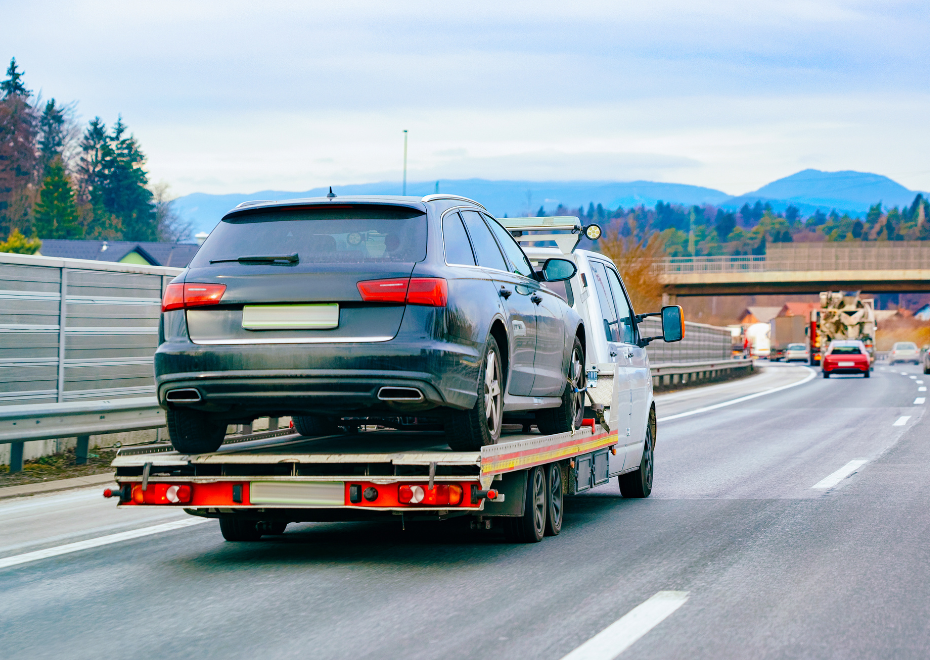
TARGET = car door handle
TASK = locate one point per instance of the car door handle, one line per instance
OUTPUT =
(536, 299)
(505, 293)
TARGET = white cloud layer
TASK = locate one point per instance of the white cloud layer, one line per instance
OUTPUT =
(241, 96)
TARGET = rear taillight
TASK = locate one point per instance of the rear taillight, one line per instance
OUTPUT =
(191, 294)
(429, 291)
(162, 494)
(441, 494)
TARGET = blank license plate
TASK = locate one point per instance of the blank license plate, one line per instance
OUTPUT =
(307, 493)
(847, 364)
(290, 317)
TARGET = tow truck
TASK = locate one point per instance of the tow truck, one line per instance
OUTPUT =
(257, 484)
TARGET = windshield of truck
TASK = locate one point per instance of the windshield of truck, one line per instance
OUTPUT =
(846, 349)
(360, 233)
(905, 346)
(797, 347)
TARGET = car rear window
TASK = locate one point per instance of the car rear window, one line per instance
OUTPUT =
(320, 234)
(845, 350)
(797, 347)
(905, 346)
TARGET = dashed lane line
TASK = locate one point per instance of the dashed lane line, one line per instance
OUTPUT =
(919, 401)
(628, 629)
(921, 389)
(913, 377)
(68, 548)
(835, 478)
(696, 411)
(902, 420)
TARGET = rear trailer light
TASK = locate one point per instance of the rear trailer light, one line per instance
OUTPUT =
(428, 291)
(162, 494)
(441, 494)
(191, 294)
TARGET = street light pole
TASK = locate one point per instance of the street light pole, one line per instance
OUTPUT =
(405, 162)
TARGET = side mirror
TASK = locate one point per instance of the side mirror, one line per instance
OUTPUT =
(673, 323)
(558, 270)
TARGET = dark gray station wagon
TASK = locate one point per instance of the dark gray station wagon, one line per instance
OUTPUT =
(367, 307)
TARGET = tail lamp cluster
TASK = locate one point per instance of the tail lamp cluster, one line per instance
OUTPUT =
(153, 493)
(406, 494)
(440, 494)
(190, 294)
(428, 291)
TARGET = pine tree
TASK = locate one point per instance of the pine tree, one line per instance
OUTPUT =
(13, 85)
(51, 136)
(541, 213)
(56, 214)
(125, 193)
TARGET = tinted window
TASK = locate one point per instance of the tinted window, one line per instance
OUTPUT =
(905, 345)
(797, 347)
(845, 350)
(321, 234)
(606, 302)
(519, 261)
(458, 249)
(624, 313)
(486, 250)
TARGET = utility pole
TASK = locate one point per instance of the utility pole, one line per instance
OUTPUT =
(405, 162)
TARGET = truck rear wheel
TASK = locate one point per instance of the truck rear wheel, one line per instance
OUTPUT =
(571, 411)
(531, 526)
(313, 425)
(193, 432)
(237, 529)
(470, 430)
(639, 483)
(554, 500)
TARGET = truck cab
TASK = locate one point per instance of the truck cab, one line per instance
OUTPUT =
(614, 334)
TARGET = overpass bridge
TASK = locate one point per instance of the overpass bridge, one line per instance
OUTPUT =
(879, 267)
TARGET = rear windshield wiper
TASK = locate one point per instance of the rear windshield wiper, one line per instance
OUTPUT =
(261, 259)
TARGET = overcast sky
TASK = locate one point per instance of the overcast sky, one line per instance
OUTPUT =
(243, 96)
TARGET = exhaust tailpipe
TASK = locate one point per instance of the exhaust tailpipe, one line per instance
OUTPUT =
(407, 394)
(187, 395)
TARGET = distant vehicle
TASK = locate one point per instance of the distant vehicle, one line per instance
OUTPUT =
(842, 316)
(797, 353)
(904, 351)
(785, 330)
(846, 356)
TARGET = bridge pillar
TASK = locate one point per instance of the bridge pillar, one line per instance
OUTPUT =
(669, 299)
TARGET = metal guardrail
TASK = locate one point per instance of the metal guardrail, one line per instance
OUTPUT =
(701, 342)
(664, 375)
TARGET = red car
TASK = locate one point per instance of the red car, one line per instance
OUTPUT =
(847, 356)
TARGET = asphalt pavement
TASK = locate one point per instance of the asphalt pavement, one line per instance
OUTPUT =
(789, 519)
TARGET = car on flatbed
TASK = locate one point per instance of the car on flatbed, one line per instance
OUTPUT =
(367, 308)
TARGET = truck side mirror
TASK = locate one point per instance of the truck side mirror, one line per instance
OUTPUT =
(673, 323)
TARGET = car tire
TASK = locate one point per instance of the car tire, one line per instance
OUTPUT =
(570, 412)
(531, 526)
(237, 529)
(826, 374)
(867, 374)
(555, 500)
(638, 484)
(470, 430)
(314, 425)
(194, 432)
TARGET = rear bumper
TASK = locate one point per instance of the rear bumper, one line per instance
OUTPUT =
(258, 380)
(846, 370)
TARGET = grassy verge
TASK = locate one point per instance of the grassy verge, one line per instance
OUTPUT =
(58, 466)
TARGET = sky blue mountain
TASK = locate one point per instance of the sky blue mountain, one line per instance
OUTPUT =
(809, 190)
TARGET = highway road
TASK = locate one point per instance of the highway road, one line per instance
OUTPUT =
(788, 524)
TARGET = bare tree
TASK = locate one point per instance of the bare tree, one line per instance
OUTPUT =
(172, 228)
(635, 258)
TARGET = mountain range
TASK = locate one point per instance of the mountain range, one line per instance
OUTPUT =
(808, 190)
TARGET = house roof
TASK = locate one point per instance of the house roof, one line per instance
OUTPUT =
(798, 309)
(759, 314)
(175, 255)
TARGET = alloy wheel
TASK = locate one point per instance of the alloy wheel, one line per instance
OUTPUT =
(493, 396)
(555, 497)
(577, 379)
(539, 500)
(647, 462)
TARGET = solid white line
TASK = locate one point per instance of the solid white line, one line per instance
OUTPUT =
(625, 631)
(901, 421)
(839, 475)
(919, 401)
(16, 560)
(811, 375)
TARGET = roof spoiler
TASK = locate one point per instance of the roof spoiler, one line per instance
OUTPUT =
(565, 230)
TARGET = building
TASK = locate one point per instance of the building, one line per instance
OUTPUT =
(798, 309)
(146, 253)
(755, 314)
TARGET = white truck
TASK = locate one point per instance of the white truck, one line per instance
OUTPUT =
(257, 484)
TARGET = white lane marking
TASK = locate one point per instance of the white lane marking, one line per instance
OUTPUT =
(921, 389)
(919, 401)
(904, 373)
(25, 558)
(919, 382)
(625, 631)
(810, 376)
(839, 475)
(914, 377)
(902, 420)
